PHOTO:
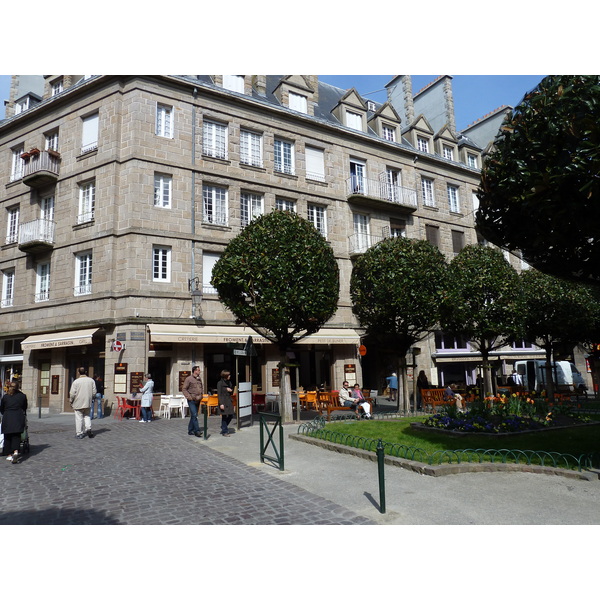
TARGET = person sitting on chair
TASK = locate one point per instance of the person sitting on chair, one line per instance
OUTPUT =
(361, 402)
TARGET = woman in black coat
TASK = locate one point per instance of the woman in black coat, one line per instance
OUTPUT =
(224, 389)
(13, 407)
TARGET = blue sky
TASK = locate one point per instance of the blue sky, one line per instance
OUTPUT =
(474, 95)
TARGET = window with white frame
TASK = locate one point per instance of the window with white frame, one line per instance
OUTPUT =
(56, 87)
(448, 152)
(83, 273)
(475, 202)
(21, 105)
(361, 232)
(427, 191)
(87, 202)
(252, 205)
(163, 188)
(284, 156)
(315, 164)
(89, 133)
(298, 102)
(209, 260)
(12, 225)
(214, 205)
(393, 183)
(389, 133)
(250, 148)
(397, 228)
(448, 342)
(18, 164)
(453, 198)
(47, 208)
(472, 160)
(214, 139)
(354, 120)
(318, 217)
(51, 140)
(285, 204)
(422, 144)
(161, 264)
(164, 120)
(8, 288)
(358, 176)
(235, 83)
(42, 282)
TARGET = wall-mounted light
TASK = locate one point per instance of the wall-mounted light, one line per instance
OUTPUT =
(196, 293)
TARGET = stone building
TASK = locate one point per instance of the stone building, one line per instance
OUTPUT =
(118, 194)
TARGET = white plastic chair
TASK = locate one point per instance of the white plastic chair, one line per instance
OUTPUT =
(175, 404)
(163, 410)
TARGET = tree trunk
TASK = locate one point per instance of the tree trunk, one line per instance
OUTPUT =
(488, 388)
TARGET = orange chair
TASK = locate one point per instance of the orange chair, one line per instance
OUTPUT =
(311, 400)
(123, 407)
(211, 402)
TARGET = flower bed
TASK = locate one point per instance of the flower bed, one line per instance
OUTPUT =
(477, 423)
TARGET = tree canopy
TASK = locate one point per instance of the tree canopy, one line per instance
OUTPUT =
(540, 188)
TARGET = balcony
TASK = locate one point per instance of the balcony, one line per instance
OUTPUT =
(370, 192)
(40, 168)
(360, 242)
(36, 236)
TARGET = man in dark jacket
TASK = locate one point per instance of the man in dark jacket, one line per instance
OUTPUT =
(193, 392)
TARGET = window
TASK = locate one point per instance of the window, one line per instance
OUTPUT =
(214, 140)
(284, 204)
(209, 260)
(298, 102)
(56, 87)
(12, 225)
(284, 157)
(444, 341)
(161, 264)
(21, 105)
(448, 152)
(251, 148)
(472, 160)
(361, 232)
(354, 120)
(89, 135)
(235, 83)
(214, 205)
(453, 202)
(87, 202)
(42, 282)
(251, 206)
(389, 133)
(523, 345)
(427, 191)
(16, 171)
(432, 235)
(422, 144)
(317, 216)
(397, 228)
(163, 186)
(83, 274)
(47, 208)
(475, 202)
(358, 182)
(8, 288)
(393, 184)
(315, 164)
(458, 241)
(164, 120)
(51, 141)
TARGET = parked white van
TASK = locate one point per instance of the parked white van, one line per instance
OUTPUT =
(565, 375)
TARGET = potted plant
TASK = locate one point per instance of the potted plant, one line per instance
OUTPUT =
(34, 151)
(25, 155)
(53, 153)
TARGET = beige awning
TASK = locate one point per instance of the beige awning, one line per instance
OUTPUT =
(81, 337)
(214, 334)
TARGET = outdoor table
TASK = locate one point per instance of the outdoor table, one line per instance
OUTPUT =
(137, 405)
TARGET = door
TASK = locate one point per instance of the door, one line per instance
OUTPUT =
(361, 232)
(357, 177)
(44, 383)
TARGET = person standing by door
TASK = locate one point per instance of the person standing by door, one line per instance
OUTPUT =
(147, 391)
(80, 395)
(193, 391)
(224, 390)
(97, 398)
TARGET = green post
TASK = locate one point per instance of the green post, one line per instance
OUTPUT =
(380, 464)
(205, 413)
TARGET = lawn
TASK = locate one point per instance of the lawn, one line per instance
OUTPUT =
(575, 440)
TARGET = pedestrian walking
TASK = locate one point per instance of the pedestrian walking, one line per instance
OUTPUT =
(80, 396)
(97, 398)
(422, 384)
(147, 390)
(13, 408)
(193, 392)
(392, 382)
(224, 390)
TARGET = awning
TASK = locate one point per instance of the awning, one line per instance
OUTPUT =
(214, 334)
(81, 337)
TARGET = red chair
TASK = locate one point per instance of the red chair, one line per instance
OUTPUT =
(123, 407)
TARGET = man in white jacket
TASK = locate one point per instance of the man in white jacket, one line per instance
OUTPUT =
(80, 395)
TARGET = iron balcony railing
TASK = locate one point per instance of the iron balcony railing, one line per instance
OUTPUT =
(361, 242)
(381, 190)
(38, 231)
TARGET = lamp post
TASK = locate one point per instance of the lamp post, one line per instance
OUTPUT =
(196, 293)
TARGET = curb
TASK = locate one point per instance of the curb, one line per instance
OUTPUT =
(451, 469)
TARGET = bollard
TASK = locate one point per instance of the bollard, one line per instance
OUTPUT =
(205, 413)
(380, 464)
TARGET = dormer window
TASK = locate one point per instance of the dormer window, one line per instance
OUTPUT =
(422, 144)
(371, 105)
(472, 160)
(448, 152)
(235, 83)
(298, 102)
(354, 120)
(56, 87)
(389, 133)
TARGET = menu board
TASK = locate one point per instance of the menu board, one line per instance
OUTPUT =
(275, 377)
(136, 381)
(183, 375)
(120, 386)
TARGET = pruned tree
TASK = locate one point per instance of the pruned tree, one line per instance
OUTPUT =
(540, 186)
(279, 277)
(483, 302)
(396, 288)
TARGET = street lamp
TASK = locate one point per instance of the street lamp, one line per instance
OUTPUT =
(196, 293)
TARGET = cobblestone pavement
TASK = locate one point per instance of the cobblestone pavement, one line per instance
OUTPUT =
(145, 474)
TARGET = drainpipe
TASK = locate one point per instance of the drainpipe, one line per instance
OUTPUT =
(193, 207)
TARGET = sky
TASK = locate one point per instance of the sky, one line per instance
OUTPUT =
(474, 95)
